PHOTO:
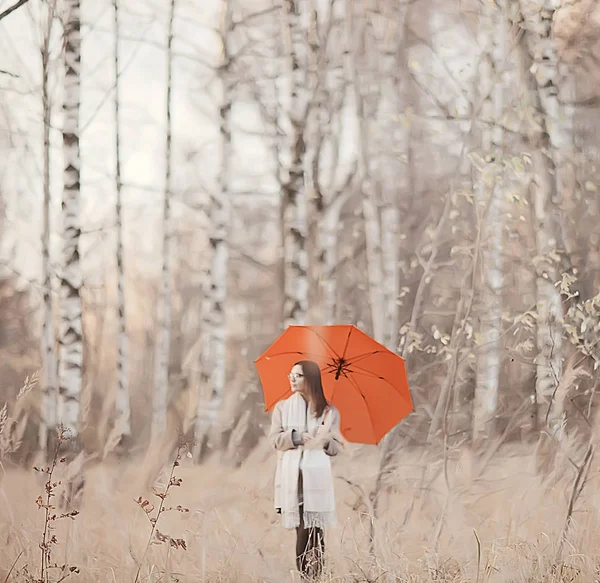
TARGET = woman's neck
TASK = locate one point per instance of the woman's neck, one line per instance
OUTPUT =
(307, 401)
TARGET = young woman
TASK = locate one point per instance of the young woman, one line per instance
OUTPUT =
(305, 431)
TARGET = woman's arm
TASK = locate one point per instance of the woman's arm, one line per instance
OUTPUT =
(332, 447)
(279, 438)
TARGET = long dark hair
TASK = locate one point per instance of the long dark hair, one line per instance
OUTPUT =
(314, 385)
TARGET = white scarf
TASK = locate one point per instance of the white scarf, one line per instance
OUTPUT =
(317, 479)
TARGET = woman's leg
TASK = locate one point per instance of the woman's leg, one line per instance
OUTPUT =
(310, 549)
(316, 552)
(302, 544)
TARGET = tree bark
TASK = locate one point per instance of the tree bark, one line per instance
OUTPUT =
(327, 189)
(315, 136)
(551, 140)
(556, 92)
(390, 219)
(293, 195)
(123, 406)
(329, 252)
(70, 369)
(491, 199)
(214, 358)
(391, 64)
(163, 353)
(49, 417)
(369, 187)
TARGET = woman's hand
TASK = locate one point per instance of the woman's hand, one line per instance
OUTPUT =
(306, 438)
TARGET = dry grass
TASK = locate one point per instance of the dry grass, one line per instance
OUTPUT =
(504, 526)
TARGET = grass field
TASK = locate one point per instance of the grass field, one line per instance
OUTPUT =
(501, 526)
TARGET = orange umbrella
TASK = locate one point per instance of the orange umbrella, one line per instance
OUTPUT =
(363, 379)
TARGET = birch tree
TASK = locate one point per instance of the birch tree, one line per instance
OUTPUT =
(556, 93)
(390, 217)
(70, 369)
(50, 399)
(294, 221)
(123, 409)
(215, 349)
(356, 33)
(550, 137)
(329, 250)
(394, 88)
(396, 97)
(378, 92)
(161, 376)
(328, 190)
(490, 191)
(315, 140)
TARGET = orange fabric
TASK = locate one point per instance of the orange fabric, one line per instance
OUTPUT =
(371, 391)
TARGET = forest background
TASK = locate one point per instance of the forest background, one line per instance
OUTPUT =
(179, 181)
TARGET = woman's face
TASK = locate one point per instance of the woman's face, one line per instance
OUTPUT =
(296, 378)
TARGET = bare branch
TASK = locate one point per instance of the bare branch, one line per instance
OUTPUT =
(12, 8)
(249, 17)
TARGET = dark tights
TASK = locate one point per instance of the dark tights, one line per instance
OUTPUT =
(310, 549)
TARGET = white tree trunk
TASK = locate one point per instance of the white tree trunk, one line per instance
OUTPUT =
(163, 352)
(549, 306)
(491, 194)
(123, 406)
(314, 136)
(293, 195)
(70, 370)
(328, 187)
(392, 45)
(553, 181)
(214, 358)
(50, 398)
(370, 206)
(374, 252)
(329, 238)
(390, 219)
(555, 88)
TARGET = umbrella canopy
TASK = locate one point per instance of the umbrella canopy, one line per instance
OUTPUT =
(363, 379)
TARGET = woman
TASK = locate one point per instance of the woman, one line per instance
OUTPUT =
(305, 431)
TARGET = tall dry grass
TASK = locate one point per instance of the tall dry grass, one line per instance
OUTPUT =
(504, 525)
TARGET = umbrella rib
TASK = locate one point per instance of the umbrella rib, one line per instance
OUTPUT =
(347, 342)
(365, 402)
(325, 343)
(279, 397)
(372, 375)
(360, 357)
(298, 352)
(352, 368)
